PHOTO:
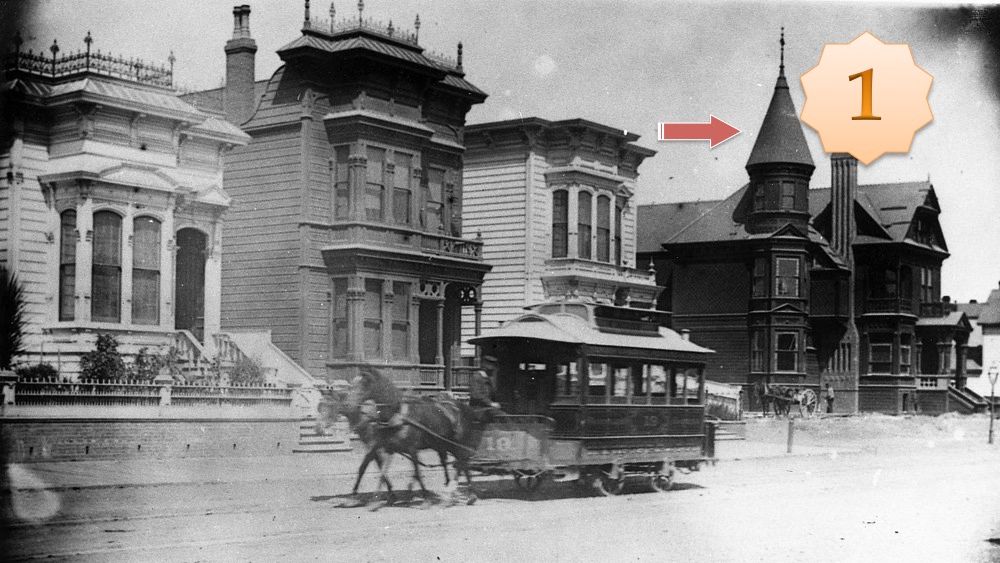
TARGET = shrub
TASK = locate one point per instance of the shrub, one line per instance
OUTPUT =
(37, 371)
(105, 362)
(146, 366)
(246, 372)
(11, 317)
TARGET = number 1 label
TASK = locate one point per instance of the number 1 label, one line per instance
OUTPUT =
(866, 96)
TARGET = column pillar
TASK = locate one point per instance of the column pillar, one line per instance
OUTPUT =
(356, 177)
(613, 241)
(389, 181)
(414, 329)
(128, 243)
(896, 347)
(213, 287)
(573, 220)
(478, 311)
(355, 318)
(943, 357)
(439, 354)
(84, 253)
(387, 299)
(168, 264)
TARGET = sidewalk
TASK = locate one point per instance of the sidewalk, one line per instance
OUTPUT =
(206, 471)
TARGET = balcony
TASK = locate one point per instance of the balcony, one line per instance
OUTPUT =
(891, 305)
(937, 308)
(598, 281)
(401, 238)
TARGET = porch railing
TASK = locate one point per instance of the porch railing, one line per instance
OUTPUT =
(86, 392)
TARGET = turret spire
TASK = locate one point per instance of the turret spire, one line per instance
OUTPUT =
(781, 67)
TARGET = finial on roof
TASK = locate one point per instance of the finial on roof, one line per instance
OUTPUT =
(361, 10)
(391, 29)
(416, 26)
(305, 21)
(333, 16)
(781, 68)
(459, 56)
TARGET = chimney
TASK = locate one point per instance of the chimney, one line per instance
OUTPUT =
(685, 334)
(843, 188)
(238, 99)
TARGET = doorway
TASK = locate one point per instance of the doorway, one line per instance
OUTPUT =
(189, 287)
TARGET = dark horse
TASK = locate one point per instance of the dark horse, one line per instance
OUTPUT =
(391, 423)
(773, 396)
(335, 403)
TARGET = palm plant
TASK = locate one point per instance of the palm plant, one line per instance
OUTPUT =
(11, 317)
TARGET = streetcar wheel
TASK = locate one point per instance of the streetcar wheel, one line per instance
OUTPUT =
(662, 482)
(528, 483)
(609, 483)
(808, 403)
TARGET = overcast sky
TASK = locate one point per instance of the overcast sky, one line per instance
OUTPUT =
(630, 65)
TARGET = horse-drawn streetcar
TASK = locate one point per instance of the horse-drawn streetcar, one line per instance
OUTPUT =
(594, 395)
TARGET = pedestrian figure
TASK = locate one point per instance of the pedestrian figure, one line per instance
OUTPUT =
(829, 398)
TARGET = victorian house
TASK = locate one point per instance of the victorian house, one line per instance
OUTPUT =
(344, 236)
(553, 202)
(809, 287)
(111, 204)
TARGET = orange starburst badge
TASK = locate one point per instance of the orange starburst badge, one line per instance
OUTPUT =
(866, 98)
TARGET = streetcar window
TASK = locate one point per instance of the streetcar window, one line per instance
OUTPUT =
(620, 385)
(598, 376)
(568, 381)
(657, 380)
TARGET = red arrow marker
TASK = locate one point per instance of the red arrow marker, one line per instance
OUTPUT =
(715, 131)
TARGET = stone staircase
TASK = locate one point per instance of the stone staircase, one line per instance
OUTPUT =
(312, 442)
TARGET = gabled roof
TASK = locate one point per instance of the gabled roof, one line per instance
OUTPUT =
(954, 319)
(780, 139)
(879, 210)
(990, 313)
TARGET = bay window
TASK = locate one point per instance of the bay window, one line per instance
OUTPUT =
(402, 195)
(373, 318)
(620, 204)
(341, 185)
(401, 321)
(434, 199)
(339, 306)
(786, 280)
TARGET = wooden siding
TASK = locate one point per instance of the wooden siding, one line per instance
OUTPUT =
(34, 257)
(715, 287)
(494, 201)
(317, 313)
(727, 335)
(261, 241)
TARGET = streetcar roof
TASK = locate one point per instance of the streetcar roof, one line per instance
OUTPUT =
(570, 329)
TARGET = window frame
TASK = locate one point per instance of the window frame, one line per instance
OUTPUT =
(402, 186)
(758, 351)
(401, 295)
(782, 353)
(339, 321)
(786, 196)
(341, 178)
(603, 229)
(584, 225)
(139, 271)
(373, 324)
(100, 270)
(375, 189)
(560, 223)
(67, 265)
(779, 290)
(430, 202)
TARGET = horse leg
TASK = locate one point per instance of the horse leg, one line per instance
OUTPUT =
(369, 457)
(443, 454)
(468, 481)
(385, 479)
(416, 475)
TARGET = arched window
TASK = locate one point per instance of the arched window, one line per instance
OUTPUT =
(106, 288)
(67, 265)
(604, 228)
(146, 271)
(584, 225)
(560, 223)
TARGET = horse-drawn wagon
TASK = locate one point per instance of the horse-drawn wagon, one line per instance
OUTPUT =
(782, 397)
(594, 401)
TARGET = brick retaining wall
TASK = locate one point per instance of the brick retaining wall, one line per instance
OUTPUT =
(39, 439)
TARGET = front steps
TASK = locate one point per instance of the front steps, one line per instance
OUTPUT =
(311, 442)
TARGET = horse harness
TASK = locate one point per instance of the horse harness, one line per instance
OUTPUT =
(400, 418)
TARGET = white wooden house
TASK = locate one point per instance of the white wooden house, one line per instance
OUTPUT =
(553, 202)
(111, 204)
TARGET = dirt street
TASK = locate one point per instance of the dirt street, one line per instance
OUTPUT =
(923, 489)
